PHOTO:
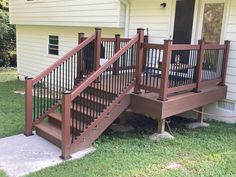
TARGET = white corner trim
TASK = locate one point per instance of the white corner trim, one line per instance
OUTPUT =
(127, 16)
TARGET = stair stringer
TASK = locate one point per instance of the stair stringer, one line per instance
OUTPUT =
(119, 105)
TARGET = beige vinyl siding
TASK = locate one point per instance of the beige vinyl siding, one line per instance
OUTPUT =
(89, 13)
(231, 35)
(150, 15)
(32, 45)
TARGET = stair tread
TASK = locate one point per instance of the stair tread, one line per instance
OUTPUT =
(84, 109)
(50, 129)
(97, 87)
(107, 81)
(94, 98)
(55, 115)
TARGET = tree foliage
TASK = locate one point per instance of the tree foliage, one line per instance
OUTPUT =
(7, 35)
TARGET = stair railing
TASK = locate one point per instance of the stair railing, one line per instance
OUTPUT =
(43, 93)
(103, 81)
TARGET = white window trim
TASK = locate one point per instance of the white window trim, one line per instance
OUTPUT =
(47, 45)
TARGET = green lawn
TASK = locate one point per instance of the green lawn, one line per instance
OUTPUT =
(11, 104)
(209, 152)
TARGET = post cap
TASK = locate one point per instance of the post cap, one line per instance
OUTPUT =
(140, 29)
(201, 41)
(117, 35)
(98, 29)
(28, 78)
(67, 92)
(168, 41)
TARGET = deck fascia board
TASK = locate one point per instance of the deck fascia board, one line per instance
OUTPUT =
(149, 105)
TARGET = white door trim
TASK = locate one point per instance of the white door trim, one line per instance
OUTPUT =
(195, 20)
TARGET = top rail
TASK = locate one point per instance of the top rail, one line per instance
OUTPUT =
(153, 46)
(64, 58)
(175, 47)
(214, 46)
(103, 68)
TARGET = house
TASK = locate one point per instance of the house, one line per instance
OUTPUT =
(48, 31)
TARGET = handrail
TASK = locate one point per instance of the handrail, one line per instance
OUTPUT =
(64, 58)
(103, 68)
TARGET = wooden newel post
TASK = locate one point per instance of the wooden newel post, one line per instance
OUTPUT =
(139, 60)
(198, 72)
(145, 53)
(80, 62)
(225, 63)
(80, 37)
(28, 106)
(97, 49)
(165, 70)
(66, 119)
(116, 49)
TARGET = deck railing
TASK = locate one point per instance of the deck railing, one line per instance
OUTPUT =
(109, 46)
(171, 68)
(44, 92)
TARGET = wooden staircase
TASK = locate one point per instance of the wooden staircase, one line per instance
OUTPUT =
(51, 129)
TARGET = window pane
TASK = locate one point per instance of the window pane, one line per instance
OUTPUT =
(53, 40)
(53, 52)
(212, 22)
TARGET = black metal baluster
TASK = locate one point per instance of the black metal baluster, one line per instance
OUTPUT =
(54, 86)
(34, 97)
(44, 97)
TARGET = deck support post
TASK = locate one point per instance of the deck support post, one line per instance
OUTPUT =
(165, 70)
(161, 126)
(97, 49)
(116, 49)
(28, 106)
(200, 59)
(139, 60)
(200, 115)
(225, 63)
(66, 119)
(80, 62)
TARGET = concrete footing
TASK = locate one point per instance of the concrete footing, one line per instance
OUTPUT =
(197, 125)
(159, 136)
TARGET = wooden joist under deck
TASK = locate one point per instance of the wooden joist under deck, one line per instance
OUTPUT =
(149, 105)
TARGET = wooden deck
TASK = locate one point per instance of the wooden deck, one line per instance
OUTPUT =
(149, 105)
(156, 80)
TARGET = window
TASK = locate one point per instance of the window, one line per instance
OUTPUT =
(53, 46)
(212, 22)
